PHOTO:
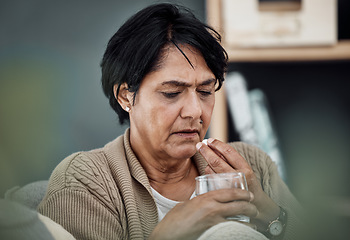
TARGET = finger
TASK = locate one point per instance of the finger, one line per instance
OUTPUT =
(230, 195)
(208, 170)
(229, 202)
(216, 163)
(231, 155)
(232, 209)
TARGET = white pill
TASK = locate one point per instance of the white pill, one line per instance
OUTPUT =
(205, 141)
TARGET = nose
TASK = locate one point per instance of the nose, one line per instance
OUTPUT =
(192, 107)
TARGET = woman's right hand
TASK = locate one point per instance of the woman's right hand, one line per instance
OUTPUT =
(189, 219)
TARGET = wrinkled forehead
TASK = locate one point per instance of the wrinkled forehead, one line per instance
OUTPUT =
(183, 68)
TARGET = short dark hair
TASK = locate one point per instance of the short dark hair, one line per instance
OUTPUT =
(135, 49)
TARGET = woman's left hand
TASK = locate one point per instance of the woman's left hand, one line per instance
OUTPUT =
(222, 158)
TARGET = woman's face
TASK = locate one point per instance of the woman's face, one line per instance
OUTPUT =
(165, 120)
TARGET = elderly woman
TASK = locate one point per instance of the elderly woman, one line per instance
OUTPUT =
(160, 72)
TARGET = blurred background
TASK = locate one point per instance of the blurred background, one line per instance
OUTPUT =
(52, 104)
(51, 100)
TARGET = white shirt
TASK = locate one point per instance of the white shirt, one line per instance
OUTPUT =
(164, 205)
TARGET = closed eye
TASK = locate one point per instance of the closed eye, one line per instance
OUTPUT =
(205, 93)
(170, 94)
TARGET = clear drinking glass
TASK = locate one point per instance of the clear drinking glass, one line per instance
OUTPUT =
(217, 181)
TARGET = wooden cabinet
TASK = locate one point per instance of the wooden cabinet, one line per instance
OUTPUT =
(339, 51)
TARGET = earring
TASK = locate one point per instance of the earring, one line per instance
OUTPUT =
(127, 109)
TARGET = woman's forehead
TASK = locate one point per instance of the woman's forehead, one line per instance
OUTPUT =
(170, 77)
(185, 58)
(174, 68)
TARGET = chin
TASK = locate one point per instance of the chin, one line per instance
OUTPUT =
(184, 151)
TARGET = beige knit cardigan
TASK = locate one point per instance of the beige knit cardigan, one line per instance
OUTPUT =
(105, 193)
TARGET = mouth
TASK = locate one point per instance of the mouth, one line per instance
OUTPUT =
(187, 133)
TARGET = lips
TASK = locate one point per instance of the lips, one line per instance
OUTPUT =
(187, 131)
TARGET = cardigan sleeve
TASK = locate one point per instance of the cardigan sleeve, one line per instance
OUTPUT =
(266, 171)
(282, 196)
(82, 198)
(82, 215)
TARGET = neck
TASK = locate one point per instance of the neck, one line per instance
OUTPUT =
(173, 182)
(170, 174)
(167, 171)
(178, 186)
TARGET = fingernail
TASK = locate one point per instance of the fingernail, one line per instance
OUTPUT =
(199, 145)
(251, 196)
(210, 140)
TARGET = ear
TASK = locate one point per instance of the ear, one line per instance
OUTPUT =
(124, 97)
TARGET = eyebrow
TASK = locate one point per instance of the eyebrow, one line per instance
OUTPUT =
(184, 84)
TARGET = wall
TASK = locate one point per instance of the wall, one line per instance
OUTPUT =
(51, 100)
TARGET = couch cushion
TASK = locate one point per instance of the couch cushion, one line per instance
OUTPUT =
(29, 195)
(20, 222)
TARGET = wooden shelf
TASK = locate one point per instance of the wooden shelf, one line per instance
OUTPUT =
(340, 51)
(219, 126)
